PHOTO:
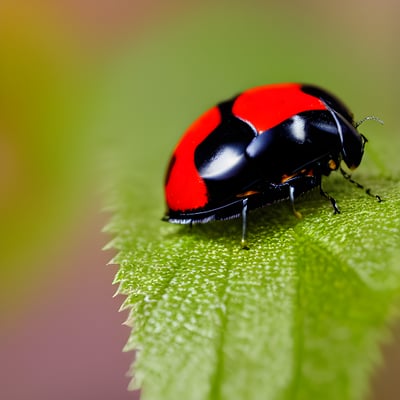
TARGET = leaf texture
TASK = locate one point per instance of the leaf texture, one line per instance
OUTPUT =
(300, 315)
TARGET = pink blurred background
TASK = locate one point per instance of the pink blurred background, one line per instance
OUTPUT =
(61, 334)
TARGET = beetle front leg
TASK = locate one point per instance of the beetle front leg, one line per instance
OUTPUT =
(359, 186)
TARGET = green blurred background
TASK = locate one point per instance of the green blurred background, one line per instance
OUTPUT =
(78, 81)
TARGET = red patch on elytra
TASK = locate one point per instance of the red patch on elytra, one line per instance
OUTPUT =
(185, 189)
(267, 106)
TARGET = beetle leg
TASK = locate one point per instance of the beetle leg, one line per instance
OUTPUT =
(244, 224)
(291, 196)
(331, 199)
(367, 190)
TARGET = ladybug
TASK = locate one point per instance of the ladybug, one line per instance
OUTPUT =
(267, 144)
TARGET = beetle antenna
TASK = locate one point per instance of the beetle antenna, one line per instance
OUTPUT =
(368, 118)
(367, 190)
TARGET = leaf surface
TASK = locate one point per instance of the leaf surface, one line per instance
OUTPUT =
(301, 314)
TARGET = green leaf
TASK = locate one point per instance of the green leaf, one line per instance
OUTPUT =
(301, 314)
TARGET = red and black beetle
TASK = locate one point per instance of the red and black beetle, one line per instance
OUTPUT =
(267, 144)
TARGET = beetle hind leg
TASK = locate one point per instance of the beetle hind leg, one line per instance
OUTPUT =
(291, 197)
(244, 224)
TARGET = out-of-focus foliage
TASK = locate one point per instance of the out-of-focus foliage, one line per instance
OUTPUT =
(44, 147)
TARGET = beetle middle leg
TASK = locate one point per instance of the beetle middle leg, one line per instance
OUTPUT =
(331, 199)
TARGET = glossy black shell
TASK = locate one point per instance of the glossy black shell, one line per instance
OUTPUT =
(237, 162)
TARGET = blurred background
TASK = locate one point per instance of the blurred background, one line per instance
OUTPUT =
(77, 77)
